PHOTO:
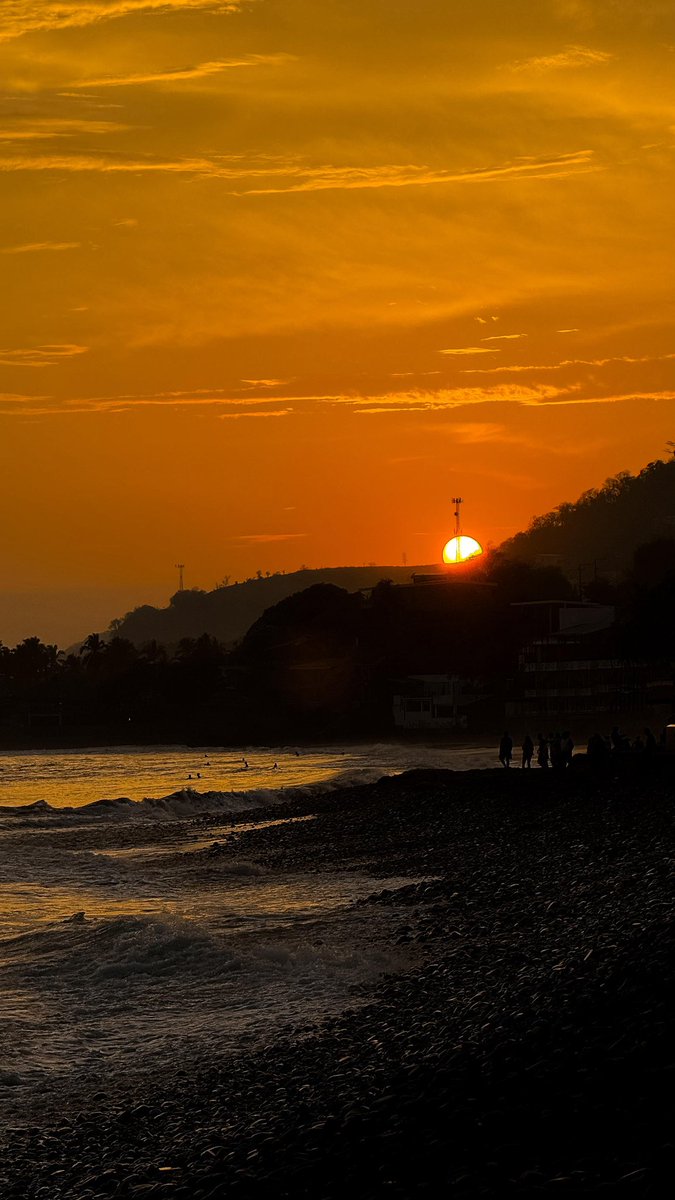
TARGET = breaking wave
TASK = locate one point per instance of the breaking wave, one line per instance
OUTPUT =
(179, 805)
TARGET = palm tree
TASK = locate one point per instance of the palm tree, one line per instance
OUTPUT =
(92, 650)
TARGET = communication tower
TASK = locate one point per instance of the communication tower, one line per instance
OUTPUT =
(457, 501)
(179, 568)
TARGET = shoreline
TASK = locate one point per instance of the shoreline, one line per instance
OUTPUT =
(523, 1055)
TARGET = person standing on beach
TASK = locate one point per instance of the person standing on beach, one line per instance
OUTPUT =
(506, 750)
(542, 751)
(555, 751)
(567, 748)
(528, 751)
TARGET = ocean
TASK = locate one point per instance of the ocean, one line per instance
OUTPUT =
(136, 931)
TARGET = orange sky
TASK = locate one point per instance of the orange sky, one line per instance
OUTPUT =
(280, 277)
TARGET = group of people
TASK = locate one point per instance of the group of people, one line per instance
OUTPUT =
(602, 748)
(554, 751)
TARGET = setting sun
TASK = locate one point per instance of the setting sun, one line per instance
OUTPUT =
(460, 548)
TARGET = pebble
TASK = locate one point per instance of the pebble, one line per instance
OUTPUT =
(525, 1055)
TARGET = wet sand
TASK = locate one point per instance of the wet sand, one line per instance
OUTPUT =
(528, 1050)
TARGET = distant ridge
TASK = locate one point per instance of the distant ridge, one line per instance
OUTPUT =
(226, 613)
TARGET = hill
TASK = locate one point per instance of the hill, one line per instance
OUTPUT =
(600, 533)
(226, 613)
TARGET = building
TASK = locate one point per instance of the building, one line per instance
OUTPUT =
(570, 667)
(434, 702)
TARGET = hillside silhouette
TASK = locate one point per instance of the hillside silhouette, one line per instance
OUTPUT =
(227, 613)
(599, 533)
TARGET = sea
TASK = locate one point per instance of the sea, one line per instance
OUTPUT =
(128, 941)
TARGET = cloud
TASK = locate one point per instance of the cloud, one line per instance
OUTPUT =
(571, 56)
(19, 17)
(288, 176)
(40, 356)
(519, 368)
(350, 178)
(478, 431)
(241, 416)
(522, 397)
(504, 337)
(411, 374)
(17, 398)
(622, 398)
(267, 383)
(36, 247)
(177, 74)
(567, 330)
(420, 400)
(470, 350)
(39, 129)
(267, 537)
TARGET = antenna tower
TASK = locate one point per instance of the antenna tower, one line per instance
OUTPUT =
(179, 568)
(457, 501)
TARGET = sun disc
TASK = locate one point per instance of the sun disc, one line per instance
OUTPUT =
(460, 548)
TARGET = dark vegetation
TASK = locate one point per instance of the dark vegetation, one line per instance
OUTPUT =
(601, 531)
(325, 661)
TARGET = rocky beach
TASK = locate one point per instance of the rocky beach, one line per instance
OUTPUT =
(518, 1041)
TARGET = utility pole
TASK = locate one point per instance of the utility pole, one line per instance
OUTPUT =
(457, 501)
(179, 568)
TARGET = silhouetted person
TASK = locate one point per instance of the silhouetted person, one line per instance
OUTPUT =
(556, 751)
(598, 752)
(567, 748)
(542, 751)
(528, 751)
(617, 740)
(506, 750)
(651, 744)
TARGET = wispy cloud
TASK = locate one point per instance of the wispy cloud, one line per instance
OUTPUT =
(37, 247)
(459, 350)
(388, 404)
(520, 368)
(521, 397)
(177, 74)
(411, 374)
(473, 432)
(418, 399)
(40, 129)
(267, 537)
(242, 416)
(350, 178)
(40, 356)
(266, 383)
(571, 56)
(294, 176)
(18, 398)
(18, 17)
(621, 398)
(504, 337)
